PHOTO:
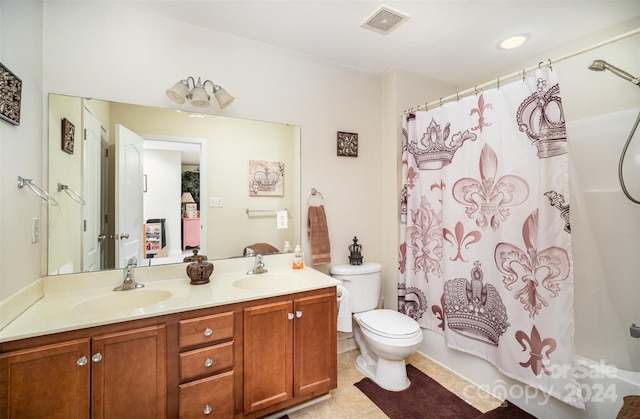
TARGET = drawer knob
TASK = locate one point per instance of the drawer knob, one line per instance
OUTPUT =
(207, 410)
(97, 357)
(298, 314)
(82, 361)
(208, 362)
(208, 332)
(290, 316)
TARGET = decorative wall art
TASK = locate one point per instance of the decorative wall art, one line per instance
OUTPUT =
(10, 96)
(68, 136)
(266, 178)
(347, 144)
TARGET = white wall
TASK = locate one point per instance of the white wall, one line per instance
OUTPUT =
(21, 148)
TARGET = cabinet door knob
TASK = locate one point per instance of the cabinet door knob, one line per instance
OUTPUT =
(290, 316)
(97, 357)
(207, 410)
(82, 361)
(208, 362)
(298, 314)
(208, 332)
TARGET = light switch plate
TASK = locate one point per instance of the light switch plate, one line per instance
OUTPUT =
(215, 202)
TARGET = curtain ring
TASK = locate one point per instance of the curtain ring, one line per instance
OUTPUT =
(550, 68)
(440, 101)
(498, 83)
(476, 89)
(458, 96)
(540, 65)
(523, 74)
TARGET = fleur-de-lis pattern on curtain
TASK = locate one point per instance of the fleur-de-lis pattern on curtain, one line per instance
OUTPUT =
(485, 246)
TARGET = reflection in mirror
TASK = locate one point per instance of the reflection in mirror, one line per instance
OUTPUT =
(128, 163)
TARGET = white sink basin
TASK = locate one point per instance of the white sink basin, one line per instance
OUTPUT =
(268, 281)
(121, 301)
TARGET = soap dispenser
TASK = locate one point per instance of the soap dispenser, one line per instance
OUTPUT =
(298, 258)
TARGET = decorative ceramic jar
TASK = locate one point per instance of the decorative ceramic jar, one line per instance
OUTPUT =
(200, 271)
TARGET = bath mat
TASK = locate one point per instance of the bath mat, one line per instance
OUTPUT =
(506, 410)
(630, 408)
(424, 398)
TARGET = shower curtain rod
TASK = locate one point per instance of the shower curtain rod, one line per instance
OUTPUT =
(477, 88)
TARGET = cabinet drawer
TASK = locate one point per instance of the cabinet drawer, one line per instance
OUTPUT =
(206, 361)
(206, 329)
(210, 397)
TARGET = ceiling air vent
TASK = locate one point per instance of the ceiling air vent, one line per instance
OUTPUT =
(384, 20)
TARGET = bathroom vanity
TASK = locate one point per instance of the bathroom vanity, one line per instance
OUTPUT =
(241, 346)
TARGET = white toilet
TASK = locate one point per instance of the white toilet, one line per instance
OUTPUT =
(385, 337)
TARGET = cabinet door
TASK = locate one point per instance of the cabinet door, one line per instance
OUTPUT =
(315, 344)
(268, 341)
(46, 382)
(129, 374)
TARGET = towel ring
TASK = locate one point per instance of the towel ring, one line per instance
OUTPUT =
(315, 193)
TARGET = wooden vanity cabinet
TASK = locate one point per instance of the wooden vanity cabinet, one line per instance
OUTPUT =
(241, 360)
(206, 366)
(111, 375)
(290, 352)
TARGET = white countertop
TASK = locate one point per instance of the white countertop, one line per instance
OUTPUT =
(54, 312)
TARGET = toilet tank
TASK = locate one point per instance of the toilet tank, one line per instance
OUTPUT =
(362, 282)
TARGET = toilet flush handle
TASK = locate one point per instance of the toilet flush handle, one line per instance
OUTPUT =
(346, 278)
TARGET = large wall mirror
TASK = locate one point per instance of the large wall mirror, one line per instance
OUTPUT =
(156, 184)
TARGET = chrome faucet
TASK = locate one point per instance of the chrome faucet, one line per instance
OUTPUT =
(258, 267)
(129, 282)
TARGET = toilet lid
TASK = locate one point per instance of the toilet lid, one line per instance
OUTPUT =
(390, 324)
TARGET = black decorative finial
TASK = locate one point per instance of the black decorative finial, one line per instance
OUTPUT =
(355, 258)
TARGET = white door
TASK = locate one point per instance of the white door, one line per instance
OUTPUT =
(128, 223)
(91, 237)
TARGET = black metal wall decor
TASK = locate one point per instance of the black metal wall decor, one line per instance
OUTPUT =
(355, 249)
(10, 96)
(347, 144)
(68, 135)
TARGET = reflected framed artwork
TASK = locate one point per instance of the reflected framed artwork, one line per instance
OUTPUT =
(68, 136)
(266, 178)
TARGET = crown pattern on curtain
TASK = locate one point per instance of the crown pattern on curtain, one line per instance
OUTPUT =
(485, 246)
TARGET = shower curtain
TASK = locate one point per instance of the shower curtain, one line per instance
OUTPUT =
(485, 245)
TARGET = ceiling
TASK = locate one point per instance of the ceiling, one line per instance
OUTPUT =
(453, 41)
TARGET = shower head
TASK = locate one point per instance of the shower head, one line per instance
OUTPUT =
(601, 65)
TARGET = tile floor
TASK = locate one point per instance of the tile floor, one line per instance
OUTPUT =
(347, 402)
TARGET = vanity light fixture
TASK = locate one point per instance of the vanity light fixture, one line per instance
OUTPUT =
(196, 93)
(514, 41)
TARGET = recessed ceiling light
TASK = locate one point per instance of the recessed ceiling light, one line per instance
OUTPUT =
(513, 42)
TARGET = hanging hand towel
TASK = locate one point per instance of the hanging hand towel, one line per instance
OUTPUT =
(318, 234)
(344, 310)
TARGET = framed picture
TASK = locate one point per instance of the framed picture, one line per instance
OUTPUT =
(10, 96)
(266, 178)
(347, 144)
(68, 136)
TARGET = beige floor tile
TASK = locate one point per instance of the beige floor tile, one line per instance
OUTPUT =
(352, 401)
(349, 376)
(348, 402)
(326, 409)
(432, 369)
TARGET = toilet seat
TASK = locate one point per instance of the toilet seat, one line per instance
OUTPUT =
(389, 324)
